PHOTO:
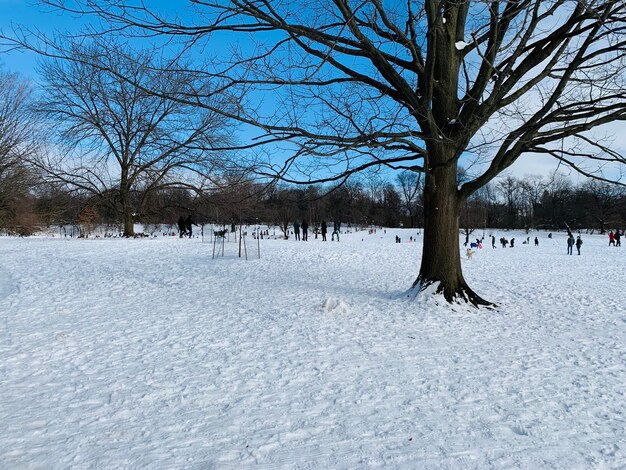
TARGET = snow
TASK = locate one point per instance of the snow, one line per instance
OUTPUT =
(148, 353)
(460, 45)
(333, 305)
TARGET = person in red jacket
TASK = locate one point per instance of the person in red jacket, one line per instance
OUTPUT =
(611, 238)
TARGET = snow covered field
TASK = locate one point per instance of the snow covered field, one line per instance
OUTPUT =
(149, 354)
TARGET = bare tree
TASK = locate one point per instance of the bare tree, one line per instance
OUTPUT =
(415, 85)
(532, 188)
(410, 190)
(119, 142)
(510, 190)
(472, 217)
(557, 200)
(17, 141)
(282, 208)
(391, 206)
(605, 201)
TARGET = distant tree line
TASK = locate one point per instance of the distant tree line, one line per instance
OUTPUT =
(28, 202)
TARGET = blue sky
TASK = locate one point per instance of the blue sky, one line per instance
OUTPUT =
(28, 14)
(31, 15)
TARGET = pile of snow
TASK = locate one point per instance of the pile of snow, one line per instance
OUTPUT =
(333, 305)
(148, 353)
(460, 45)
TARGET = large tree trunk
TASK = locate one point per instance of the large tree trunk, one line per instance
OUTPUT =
(127, 209)
(441, 260)
(129, 223)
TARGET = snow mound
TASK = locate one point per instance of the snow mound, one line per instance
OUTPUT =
(333, 305)
(428, 299)
(424, 295)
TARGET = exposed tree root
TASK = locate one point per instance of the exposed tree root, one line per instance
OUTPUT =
(461, 294)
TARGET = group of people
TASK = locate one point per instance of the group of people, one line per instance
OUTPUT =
(571, 242)
(615, 238)
(305, 230)
(504, 242)
(304, 227)
(185, 226)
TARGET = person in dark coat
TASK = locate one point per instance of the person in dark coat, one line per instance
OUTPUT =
(579, 243)
(189, 223)
(296, 230)
(570, 244)
(336, 230)
(618, 237)
(181, 227)
(324, 230)
(536, 241)
(305, 230)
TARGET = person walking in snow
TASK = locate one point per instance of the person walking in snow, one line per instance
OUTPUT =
(296, 230)
(493, 241)
(305, 230)
(618, 237)
(324, 230)
(189, 223)
(579, 243)
(336, 230)
(181, 227)
(570, 244)
(536, 241)
(611, 238)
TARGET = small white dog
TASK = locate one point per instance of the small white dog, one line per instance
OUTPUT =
(469, 253)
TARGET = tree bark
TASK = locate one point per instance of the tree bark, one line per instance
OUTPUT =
(441, 259)
(127, 209)
(129, 223)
